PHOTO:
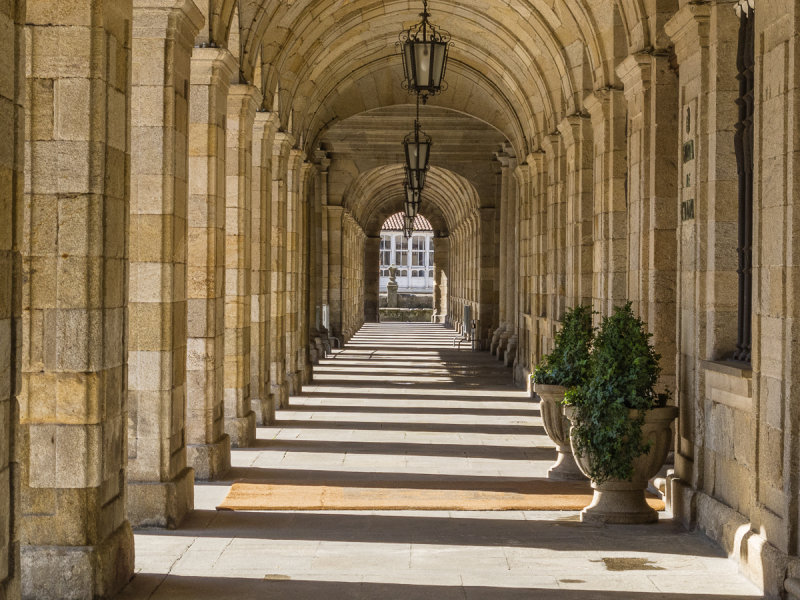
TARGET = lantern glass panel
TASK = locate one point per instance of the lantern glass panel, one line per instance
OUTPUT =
(422, 62)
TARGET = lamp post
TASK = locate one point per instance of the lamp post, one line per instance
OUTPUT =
(424, 48)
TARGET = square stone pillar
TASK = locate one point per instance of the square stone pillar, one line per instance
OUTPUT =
(537, 163)
(240, 420)
(372, 267)
(576, 135)
(76, 540)
(12, 90)
(555, 239)
(279, 386)
(651, 92)
(264, 128)
(292, 296)
(208, 444)
(610, 211)
(305, 269)
(334, 217)
(441, 277)
(160, 485)
(485, 267)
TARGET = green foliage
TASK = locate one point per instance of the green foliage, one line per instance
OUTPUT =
(568, 363)
(624, 371)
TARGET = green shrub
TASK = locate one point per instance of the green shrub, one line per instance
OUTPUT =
(568, 363)
(623, 373)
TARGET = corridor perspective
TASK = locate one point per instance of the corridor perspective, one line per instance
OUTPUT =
(401, 407)
(222, 223)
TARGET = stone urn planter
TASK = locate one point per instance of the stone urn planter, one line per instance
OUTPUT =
(557, 427)
(618, 501)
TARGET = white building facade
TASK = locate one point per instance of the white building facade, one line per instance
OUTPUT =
(412, 256)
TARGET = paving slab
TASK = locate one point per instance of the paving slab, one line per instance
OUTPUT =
(383, 409)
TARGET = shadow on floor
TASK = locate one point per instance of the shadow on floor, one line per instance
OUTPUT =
(561, 535)
(393, 396)
(407, 449)
(416, 410)
(418, 427)
(273, 585)
(360, 479)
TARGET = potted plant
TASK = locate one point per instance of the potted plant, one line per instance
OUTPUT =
(620, 432)
(566, 366)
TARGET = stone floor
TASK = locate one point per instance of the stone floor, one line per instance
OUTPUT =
(401, 401)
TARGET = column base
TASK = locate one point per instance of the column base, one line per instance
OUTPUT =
(511, 353)
(78, 572)
(210, 461)
(241, 430)
(264, 409)
(10, 588)
(161, 504)
(293, 383)
(280, 395)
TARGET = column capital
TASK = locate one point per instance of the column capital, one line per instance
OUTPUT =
(635, 71)
(243, 101)
(175, 18)
(551, 143)
(212, 65)
(265, 125)
(599, 104)
(571, 128)
(689, 29)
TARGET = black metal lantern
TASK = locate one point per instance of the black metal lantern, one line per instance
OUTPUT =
(412, 202)
(424, 49)
(408, 226)
(418, 153)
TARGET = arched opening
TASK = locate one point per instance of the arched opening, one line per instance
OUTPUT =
(406, 271)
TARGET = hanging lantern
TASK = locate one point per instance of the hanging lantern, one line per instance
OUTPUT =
(408, 226)
(424, 49)
(412, 202)
(418, 153)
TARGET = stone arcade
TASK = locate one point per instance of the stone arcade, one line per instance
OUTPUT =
(191, 199)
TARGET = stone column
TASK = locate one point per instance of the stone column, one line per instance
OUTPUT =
(305, 307)
(208, 444)
(279, 387)
(160, 485)
(576, 136)
(264, 128)
(537, 162)
(521, 361)
(240, 420)
(12, 96)
(610, 232)
(486, 268)
(555, 250)
(651, 92)
(442, 272)
(502, 257)
(372, 267)
(292, 282)
(76, 540)
(334, 218)
(508, 274)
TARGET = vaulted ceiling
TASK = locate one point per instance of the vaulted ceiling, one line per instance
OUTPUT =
(516, 69)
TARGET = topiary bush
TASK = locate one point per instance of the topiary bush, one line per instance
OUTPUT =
(568, 363)
(623, 373)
